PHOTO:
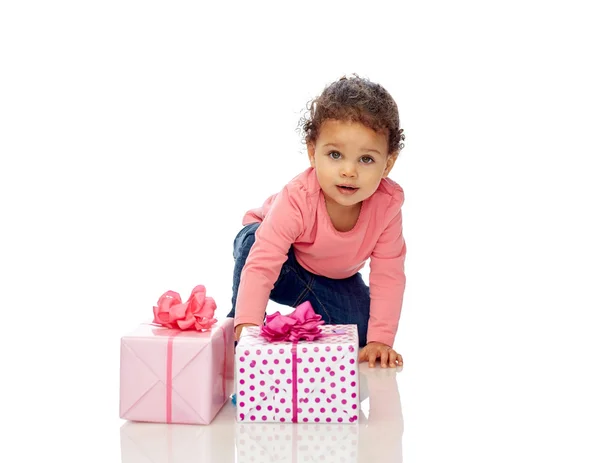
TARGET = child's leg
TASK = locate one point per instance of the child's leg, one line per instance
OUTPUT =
(241, 248)
(346, 301)
(287, 290)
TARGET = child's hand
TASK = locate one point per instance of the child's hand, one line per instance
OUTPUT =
(374, 350)
(238, 329)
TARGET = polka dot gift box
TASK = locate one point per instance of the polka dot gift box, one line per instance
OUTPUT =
(284, 374)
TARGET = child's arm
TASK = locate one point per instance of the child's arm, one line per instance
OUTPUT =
(387, 282)
(279, 229)
(239, 328)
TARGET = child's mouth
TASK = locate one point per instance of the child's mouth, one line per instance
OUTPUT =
(346, 190)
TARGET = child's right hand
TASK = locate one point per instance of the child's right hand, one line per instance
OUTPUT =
(238, 329)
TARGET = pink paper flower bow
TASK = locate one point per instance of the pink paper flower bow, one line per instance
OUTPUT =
(302, 323)
(197, 313)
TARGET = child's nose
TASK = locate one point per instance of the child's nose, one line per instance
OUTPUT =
(348, 170)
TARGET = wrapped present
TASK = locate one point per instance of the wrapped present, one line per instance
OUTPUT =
(179, 368)
(282, 443)
(297, 369)
(180, 443)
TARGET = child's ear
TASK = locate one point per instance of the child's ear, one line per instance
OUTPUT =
(310, 147)
(390, 161)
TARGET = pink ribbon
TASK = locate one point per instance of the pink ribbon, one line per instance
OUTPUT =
(169, 385)
(196, 313)
(295, 382)
(302, 323)
(170, 377)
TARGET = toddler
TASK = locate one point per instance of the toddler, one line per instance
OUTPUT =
(309, 241)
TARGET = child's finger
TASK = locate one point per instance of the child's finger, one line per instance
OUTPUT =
(361, 355)
(384, 358)
(372, 358)
(400, 360)
(393, 359)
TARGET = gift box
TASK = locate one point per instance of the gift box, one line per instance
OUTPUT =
(303, 381)
(270, 442)
(180, 443)
(170, 375)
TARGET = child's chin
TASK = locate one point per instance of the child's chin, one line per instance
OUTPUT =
(349, 203)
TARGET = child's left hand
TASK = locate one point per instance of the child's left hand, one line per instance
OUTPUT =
(374, 350)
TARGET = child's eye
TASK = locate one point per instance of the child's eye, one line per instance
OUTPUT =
(334, 155)
(367, 159)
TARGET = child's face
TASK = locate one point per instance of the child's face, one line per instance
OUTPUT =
(349, 153)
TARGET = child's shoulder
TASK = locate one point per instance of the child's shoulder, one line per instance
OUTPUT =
(391, 190)
(305, 183)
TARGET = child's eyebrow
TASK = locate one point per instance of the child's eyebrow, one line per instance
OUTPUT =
(362, 149)
(371, 150)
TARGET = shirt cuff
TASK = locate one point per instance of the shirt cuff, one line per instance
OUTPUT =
(248, 319)
(382, 338)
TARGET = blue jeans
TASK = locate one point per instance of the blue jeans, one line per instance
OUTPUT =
(338, 301)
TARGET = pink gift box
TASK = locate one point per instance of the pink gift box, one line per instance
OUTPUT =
(174, 376)
(305, 382)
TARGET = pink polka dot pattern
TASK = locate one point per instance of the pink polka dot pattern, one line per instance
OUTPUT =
(261, 442)
(325, 392)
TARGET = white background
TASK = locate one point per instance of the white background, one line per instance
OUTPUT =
(134, 135)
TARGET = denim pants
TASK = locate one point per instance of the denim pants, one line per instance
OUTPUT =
(338, 301)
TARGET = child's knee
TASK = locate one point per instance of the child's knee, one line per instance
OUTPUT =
(244, 244)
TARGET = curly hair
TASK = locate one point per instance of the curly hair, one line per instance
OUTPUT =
(354, 99)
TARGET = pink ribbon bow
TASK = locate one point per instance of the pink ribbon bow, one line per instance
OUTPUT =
(196, 313)
(302, 323)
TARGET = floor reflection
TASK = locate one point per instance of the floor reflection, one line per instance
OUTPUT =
(377, 437)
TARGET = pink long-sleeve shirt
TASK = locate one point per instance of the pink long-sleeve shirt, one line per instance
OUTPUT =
(297, 216)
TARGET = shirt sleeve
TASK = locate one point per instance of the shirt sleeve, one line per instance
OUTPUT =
(387, 281)
(279, 229)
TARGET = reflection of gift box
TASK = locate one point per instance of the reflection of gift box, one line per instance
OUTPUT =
(175, 376)
(270, 442)
(179, 443)
(306, 381)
